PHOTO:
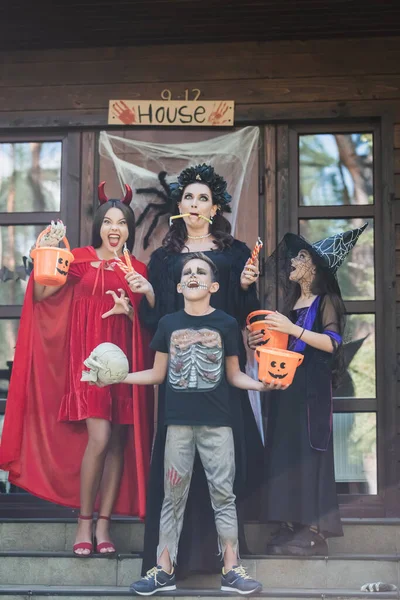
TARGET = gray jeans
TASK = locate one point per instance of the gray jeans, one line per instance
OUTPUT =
(217, 453)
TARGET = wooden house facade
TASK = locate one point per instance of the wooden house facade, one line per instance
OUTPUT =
(327, 110)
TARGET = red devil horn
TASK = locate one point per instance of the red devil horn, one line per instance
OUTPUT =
(102, 195)
(128, 195)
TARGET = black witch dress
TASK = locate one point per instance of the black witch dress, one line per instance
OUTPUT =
(198, 547)
(299, 480)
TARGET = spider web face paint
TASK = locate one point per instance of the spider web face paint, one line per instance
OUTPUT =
(303, 268)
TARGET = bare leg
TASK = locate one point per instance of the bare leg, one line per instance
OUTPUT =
(110, 481)
(99, 431)
(165, 561)
(230, 558)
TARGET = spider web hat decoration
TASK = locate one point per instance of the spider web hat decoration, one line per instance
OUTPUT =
(330, 251)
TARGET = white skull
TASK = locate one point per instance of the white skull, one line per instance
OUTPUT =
(107, 363)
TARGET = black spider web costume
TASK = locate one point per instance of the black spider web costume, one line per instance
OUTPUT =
(298, 479)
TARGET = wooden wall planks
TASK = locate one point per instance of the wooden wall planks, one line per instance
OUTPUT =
(268, 80)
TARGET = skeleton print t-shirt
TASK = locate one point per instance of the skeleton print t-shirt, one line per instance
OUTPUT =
(197, 391)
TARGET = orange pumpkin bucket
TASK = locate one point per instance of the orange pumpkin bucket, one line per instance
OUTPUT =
(51, 265)
(277, 365)
(272, 338)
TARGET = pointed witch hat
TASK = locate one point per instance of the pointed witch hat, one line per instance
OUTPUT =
(330, 251)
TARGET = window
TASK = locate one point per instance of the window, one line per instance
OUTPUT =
(336, 169)
(30, 176)
(335, 190)
(30, 196)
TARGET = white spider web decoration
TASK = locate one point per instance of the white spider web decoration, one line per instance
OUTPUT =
(335, 248)
(138, 164)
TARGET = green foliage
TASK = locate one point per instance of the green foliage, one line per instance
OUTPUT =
(326, 171)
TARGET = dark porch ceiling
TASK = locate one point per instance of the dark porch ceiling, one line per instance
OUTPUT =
(89, 23)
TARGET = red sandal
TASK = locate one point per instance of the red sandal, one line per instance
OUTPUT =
(83, 545)
(107, 547)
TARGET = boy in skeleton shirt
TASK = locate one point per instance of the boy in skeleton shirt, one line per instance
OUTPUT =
(197, 350)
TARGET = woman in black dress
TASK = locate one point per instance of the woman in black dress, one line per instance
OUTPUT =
(299, 486)
(201, 195)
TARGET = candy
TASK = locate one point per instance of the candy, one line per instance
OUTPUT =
(127, 268)
(205, 218)
(178, 217)
(256, 251)
(188, 215)
(127, 258)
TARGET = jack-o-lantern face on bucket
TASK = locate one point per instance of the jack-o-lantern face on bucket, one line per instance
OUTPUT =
(278, 366)
(62, 266)
(266, 335)
(277, 369)
(256, 323)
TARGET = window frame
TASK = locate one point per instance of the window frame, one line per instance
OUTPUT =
(23, 504)
(289, 213)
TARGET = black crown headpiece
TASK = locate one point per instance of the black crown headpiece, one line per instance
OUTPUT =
(203, 174)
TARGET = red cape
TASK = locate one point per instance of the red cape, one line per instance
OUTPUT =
(42, 454)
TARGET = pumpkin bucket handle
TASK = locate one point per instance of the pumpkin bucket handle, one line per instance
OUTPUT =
(256, 313)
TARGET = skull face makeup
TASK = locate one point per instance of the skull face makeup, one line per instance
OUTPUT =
(193, 283)
(197, 279)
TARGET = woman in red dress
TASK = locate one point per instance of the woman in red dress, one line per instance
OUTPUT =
(64, 440)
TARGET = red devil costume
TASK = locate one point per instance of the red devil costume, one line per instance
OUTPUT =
(44, 435)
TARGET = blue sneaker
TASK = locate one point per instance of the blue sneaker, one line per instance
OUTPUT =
(237, 580)
(155, 580)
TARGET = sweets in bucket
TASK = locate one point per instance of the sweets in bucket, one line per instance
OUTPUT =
(51, 264)
(107, 364)
(274, 339)
(277, 365)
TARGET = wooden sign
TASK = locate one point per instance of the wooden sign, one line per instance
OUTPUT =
(210, 113)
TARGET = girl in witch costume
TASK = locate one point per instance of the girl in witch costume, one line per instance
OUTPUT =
(299, 482)
(63, 440)
(198, 225)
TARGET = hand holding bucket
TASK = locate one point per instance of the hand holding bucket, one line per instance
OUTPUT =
(278, 366)
(271, 338)
(51, 264)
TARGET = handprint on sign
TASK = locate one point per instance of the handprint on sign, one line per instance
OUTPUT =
(218, 114)
(124, 113)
